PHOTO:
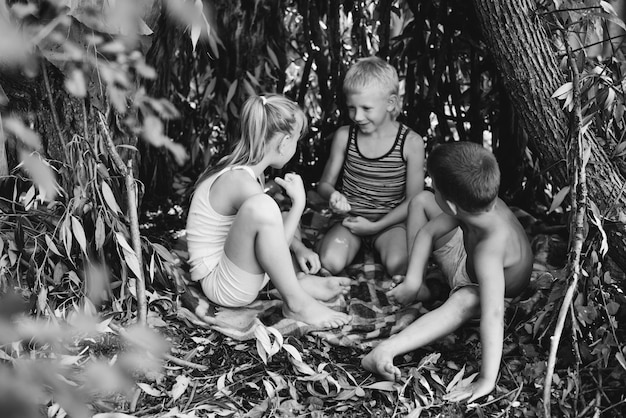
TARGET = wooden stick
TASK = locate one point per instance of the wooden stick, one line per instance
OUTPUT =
(578, 189)
(185, 363)
(131, 194)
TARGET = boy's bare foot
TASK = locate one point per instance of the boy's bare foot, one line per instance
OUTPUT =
(402, 294)
(380, 362)
(325, 288)
(316, 315)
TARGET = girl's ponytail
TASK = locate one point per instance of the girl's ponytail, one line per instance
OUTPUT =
(261, 118)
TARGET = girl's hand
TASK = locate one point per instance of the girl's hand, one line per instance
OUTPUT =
(294, 187)
(338, 203)
(308, 260)
(360, 226)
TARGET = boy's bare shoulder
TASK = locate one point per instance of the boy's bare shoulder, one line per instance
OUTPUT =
(340, 138)
(414, 144)
(342, 133)
(506, 233)
(414, 137)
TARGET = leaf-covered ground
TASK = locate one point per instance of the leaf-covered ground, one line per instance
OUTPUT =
(100, 365)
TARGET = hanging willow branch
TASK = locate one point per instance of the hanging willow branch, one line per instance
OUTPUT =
(131, 195)
(577, 162)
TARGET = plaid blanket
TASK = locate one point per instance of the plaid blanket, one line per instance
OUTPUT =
(373, 317)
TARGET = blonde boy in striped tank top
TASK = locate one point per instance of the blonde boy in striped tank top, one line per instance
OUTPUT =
(375, 168)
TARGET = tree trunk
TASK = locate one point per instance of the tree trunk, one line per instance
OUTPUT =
(521, 48)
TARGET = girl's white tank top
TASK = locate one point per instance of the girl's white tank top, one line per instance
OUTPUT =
(207, 229)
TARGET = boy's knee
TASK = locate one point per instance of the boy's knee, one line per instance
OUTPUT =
(420, 201)
(467, 301)
(331, 261)
(396, 264)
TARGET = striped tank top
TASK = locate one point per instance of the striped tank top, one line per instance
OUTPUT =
(374, 186)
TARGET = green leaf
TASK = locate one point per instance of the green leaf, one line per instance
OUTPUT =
(163, 253)
(620, 358)
(75, 83)
(181, 385)
(620, 149)
(129, 254)
(79, 233)
(384, 386)
(231, 92)
(109, 198)
(293, 351)
(563, 91)
(263, 343)
(344, 395)
(558, 198)
(150, 390)
(612, 307)
(100, 233)
(273, 57)
(52, 246)
(456, 379)
(66, 236)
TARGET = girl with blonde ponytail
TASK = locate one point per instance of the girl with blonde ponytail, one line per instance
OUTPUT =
(237, 238)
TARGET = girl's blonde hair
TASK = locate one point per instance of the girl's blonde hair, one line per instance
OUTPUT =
(261, 118)
(374, 72)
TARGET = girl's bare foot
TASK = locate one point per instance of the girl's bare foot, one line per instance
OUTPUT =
(380, 362)
(315, 314)
(325, 288)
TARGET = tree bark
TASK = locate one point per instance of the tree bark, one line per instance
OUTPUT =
(521, 48)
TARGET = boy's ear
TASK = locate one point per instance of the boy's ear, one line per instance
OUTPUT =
(452, 207)
(392, 102)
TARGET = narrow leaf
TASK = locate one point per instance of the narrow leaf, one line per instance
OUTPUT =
(52, 246)
(273, 57)
(150, 390)
(109, 198)
(293, 351)
(620, 358)
(79, 234)
(388, 386)
(231, 92)
(456, 379)
(562, 91)
(129, 255)
(100, 234)
(558, 198)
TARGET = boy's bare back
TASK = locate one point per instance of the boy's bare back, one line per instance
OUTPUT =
(503, 238)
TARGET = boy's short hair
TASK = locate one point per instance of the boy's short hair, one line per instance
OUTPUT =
(466, 174)
(371, 71)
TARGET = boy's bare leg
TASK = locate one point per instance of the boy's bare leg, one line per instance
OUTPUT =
(338, 248)
(422, 209)
(256, 244)
(323, 288)
(391, 245)
(460, 307)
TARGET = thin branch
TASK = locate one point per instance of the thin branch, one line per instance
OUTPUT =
(578, 186)
(598, 42)
(131, 194)
(140, 284)
(53, 113)
(185, 363)
(4, 165)
(573, 9)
